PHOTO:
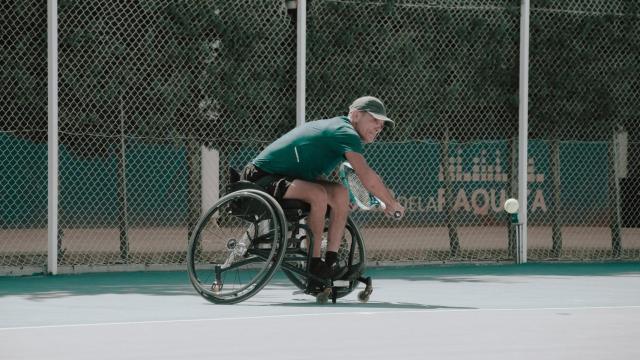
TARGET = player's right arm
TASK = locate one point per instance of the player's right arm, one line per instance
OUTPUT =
(373, 183)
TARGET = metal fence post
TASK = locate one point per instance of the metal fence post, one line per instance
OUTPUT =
(523, 126)
(52, 40)
(301, 63)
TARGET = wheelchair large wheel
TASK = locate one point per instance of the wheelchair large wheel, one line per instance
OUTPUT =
(236, 247)
(351, 253)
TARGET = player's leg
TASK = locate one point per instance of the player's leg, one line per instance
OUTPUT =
(338, 200)
(310, 192)
(316, 196)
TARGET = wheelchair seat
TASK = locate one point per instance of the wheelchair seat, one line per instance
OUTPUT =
(242, 185)
(293, 209)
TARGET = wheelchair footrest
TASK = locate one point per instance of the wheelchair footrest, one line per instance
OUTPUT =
(340, 283)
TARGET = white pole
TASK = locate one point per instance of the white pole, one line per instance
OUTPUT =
(210, 175)
(52, 53)
(523, 136)
(301, 61)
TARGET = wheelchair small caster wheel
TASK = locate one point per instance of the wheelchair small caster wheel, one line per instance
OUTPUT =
(323, 296)
(216, 288)
(363, 296)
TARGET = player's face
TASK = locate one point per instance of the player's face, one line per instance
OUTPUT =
(369, 127)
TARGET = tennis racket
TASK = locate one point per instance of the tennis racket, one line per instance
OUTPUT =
(358, 194)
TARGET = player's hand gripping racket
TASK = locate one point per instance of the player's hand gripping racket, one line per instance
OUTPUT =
(358, 194)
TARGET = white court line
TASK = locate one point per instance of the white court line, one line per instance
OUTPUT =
(283, 316)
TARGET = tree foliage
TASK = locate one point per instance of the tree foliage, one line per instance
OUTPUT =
(224, 70)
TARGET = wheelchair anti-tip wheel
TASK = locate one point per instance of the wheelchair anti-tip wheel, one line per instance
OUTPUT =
(236, 247)
(363, 296)
(323, 296)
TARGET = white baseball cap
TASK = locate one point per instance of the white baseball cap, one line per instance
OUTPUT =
(373, 106)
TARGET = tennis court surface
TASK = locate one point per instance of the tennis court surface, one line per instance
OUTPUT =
(532, 311)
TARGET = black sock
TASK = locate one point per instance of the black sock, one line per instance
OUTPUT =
(315, 261)
(331, 257)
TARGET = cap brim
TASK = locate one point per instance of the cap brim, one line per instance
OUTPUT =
(382, 117)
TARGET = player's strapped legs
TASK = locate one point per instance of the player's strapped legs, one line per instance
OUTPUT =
(316, 196)
(322, 196)
(338, 199)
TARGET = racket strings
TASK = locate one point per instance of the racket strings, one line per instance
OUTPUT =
(357, 189)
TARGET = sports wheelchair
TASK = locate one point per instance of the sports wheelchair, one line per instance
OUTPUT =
(245, 237)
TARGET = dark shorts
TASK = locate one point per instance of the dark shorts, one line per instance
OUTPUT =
(274, 185)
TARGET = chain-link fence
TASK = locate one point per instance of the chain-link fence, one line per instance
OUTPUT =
(585, 96)
(158, 97)
(150, 91)
(449, 75)
(23, 134)
(155, 98)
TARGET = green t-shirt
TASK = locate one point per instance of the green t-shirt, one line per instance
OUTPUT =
(310, 150)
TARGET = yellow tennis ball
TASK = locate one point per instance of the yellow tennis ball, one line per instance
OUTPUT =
(511, 206)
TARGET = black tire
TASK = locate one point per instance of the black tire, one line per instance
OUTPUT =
(219, 269)
(358, 261)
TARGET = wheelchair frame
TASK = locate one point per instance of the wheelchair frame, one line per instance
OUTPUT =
(266, 244)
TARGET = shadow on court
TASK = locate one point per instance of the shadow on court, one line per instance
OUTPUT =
(369, 305)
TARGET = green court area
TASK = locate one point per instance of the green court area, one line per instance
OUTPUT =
(165, 282)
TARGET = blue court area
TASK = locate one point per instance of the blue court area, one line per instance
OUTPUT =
(532, 311)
